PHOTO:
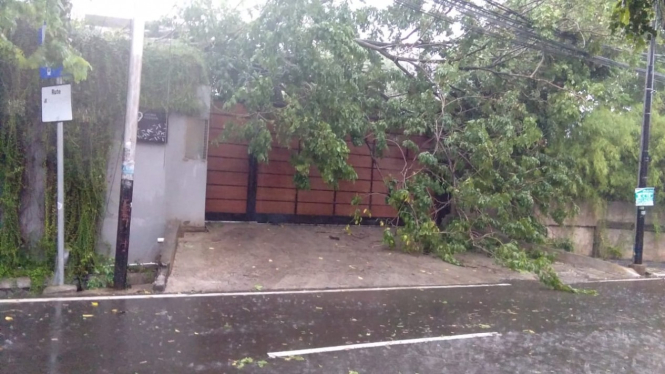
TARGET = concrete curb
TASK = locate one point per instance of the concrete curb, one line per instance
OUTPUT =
(174, 230)
(585, 262)
(10, 284)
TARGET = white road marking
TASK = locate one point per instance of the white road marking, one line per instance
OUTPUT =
(227, 294)
(379, 344)
(624, 280)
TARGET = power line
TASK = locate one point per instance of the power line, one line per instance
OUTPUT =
(525, 36)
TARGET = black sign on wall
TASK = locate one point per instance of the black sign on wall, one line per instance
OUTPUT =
(153, 127)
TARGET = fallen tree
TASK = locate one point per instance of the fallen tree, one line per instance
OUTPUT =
(497, 89)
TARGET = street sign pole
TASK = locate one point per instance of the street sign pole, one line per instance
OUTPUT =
(60, 263)
(46, 73)
(57, 107)
(129, 147)
(638, 248)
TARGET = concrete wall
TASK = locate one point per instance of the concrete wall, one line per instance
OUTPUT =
(610, 230)
(169, 184)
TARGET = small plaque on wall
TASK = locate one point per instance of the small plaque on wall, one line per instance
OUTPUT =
(153, 127)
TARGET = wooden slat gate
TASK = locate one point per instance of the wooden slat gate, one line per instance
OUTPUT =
(241, 189)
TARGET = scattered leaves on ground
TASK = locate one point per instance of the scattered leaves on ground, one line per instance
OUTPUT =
(242, 362)
(258, 287)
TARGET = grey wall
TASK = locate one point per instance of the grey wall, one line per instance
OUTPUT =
(169, 184)
(599, 226)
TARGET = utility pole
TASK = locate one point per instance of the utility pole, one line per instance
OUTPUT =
(129, 150)
(638, 249)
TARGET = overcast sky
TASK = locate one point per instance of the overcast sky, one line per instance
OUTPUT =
(153, 9)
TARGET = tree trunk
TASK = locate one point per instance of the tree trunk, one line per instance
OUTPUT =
(32, 211)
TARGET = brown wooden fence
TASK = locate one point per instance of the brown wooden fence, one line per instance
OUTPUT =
(240, 189)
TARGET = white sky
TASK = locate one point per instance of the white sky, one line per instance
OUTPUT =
(148, 9)
(154, 9)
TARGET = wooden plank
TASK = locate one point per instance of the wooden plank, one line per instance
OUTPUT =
(215, 139)
(384, 212)
(357, 186)
(277, 181)
(319, 185)
(379, 187)
(217, 108)
(361, 150)
(228, 151)
(314, 172)
(277, 167)
(393, 151)
(227, 178)
(314, 209)
(280, 154)
(219, 122)
(396, 164)
(275, 194)
(226, 206)
(347, 197)
(228, 164)
(308, 196)
(364, 174)
(275, 207)
(360, 161)
(350, 210)
(379, 200)
(226, 192)
(293, 143)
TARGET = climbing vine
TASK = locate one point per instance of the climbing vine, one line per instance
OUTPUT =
(172, 73)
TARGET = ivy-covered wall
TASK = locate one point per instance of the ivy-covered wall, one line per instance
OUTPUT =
(172, 72)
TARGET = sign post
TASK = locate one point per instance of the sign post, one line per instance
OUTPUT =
(644, 159)
(57, 107)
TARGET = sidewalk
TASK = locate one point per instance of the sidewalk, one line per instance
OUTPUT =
(250, 256)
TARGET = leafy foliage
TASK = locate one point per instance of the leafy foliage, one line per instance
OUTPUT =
(515, 133)
(634, 19)
(508, 126)
(99, 98)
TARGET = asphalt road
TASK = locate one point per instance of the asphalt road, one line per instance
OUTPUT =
(521, 328)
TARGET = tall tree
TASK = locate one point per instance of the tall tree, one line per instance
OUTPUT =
(22, 146)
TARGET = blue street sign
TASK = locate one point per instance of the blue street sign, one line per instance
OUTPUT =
(47, 73)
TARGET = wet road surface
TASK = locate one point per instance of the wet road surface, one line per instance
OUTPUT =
(622, 330)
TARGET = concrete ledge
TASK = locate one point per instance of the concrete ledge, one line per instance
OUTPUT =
(22, 283)
(60, 290)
